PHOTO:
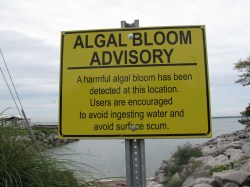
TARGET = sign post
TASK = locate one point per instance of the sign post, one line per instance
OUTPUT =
(135, 149)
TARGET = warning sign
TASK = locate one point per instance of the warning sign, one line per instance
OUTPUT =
(134, 83)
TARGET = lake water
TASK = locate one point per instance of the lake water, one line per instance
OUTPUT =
(108, 156)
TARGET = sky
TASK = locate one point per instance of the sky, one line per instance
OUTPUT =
(30, 42)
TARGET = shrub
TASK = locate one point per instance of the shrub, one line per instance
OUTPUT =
(175, 183)
(185, 152)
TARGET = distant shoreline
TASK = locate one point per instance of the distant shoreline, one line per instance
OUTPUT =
(56, 123)
(226, 117)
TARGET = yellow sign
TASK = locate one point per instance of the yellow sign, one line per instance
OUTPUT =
(134, 83)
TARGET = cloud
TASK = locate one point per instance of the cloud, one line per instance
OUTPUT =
(34, 67)
(30, 41)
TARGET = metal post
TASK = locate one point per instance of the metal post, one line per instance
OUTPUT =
(135, 149)
(135, 163)
(33, 138)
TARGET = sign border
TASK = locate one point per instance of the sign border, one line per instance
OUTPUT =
(139, 136)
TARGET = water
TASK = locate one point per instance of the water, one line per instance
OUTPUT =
(108, 156)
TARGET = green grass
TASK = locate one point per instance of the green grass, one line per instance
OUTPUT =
(21, 132)
(220, 168)
(13, 132)
(22, 165)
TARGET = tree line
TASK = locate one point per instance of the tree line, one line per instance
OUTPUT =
(243, 66)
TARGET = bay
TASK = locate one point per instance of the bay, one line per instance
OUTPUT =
(106, 158)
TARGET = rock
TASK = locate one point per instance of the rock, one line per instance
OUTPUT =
(150, 179)
(175, 180)
(235, 145)
(154, 184)
(238, 177)
(176, 177)
(160, 178)
(50, 138)
(159, 171)
(202, 180)
(189, 182)
(246, 149)
(237, 165)
(221, 141)
(219, 160)
(42, 134)
(246, 167)
(45, 140)
(164, 165)
(216, 151)
(234, 154)
(187, 170)
(122, 183)
(233, 138)
(109, 183)
(206, 150)
(202, 185)
(214, 183)
(204, 159)
(231, 184)
(200, 172)
(55, 137)
(243, 135)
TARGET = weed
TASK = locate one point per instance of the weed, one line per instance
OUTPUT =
(219, 168)
(185, 152)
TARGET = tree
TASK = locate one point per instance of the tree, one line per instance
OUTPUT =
(245, 115)
(247, 111)
(243, 66)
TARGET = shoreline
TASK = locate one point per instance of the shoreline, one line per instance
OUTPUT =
(232, 148)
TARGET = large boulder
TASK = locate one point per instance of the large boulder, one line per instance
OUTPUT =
(246, 167)
(235, 144)
(246, 149)
(219, 160)
(238, 177)
(234, 154)
(160, 176)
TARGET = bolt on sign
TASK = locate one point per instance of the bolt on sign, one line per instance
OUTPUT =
(134, 83)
